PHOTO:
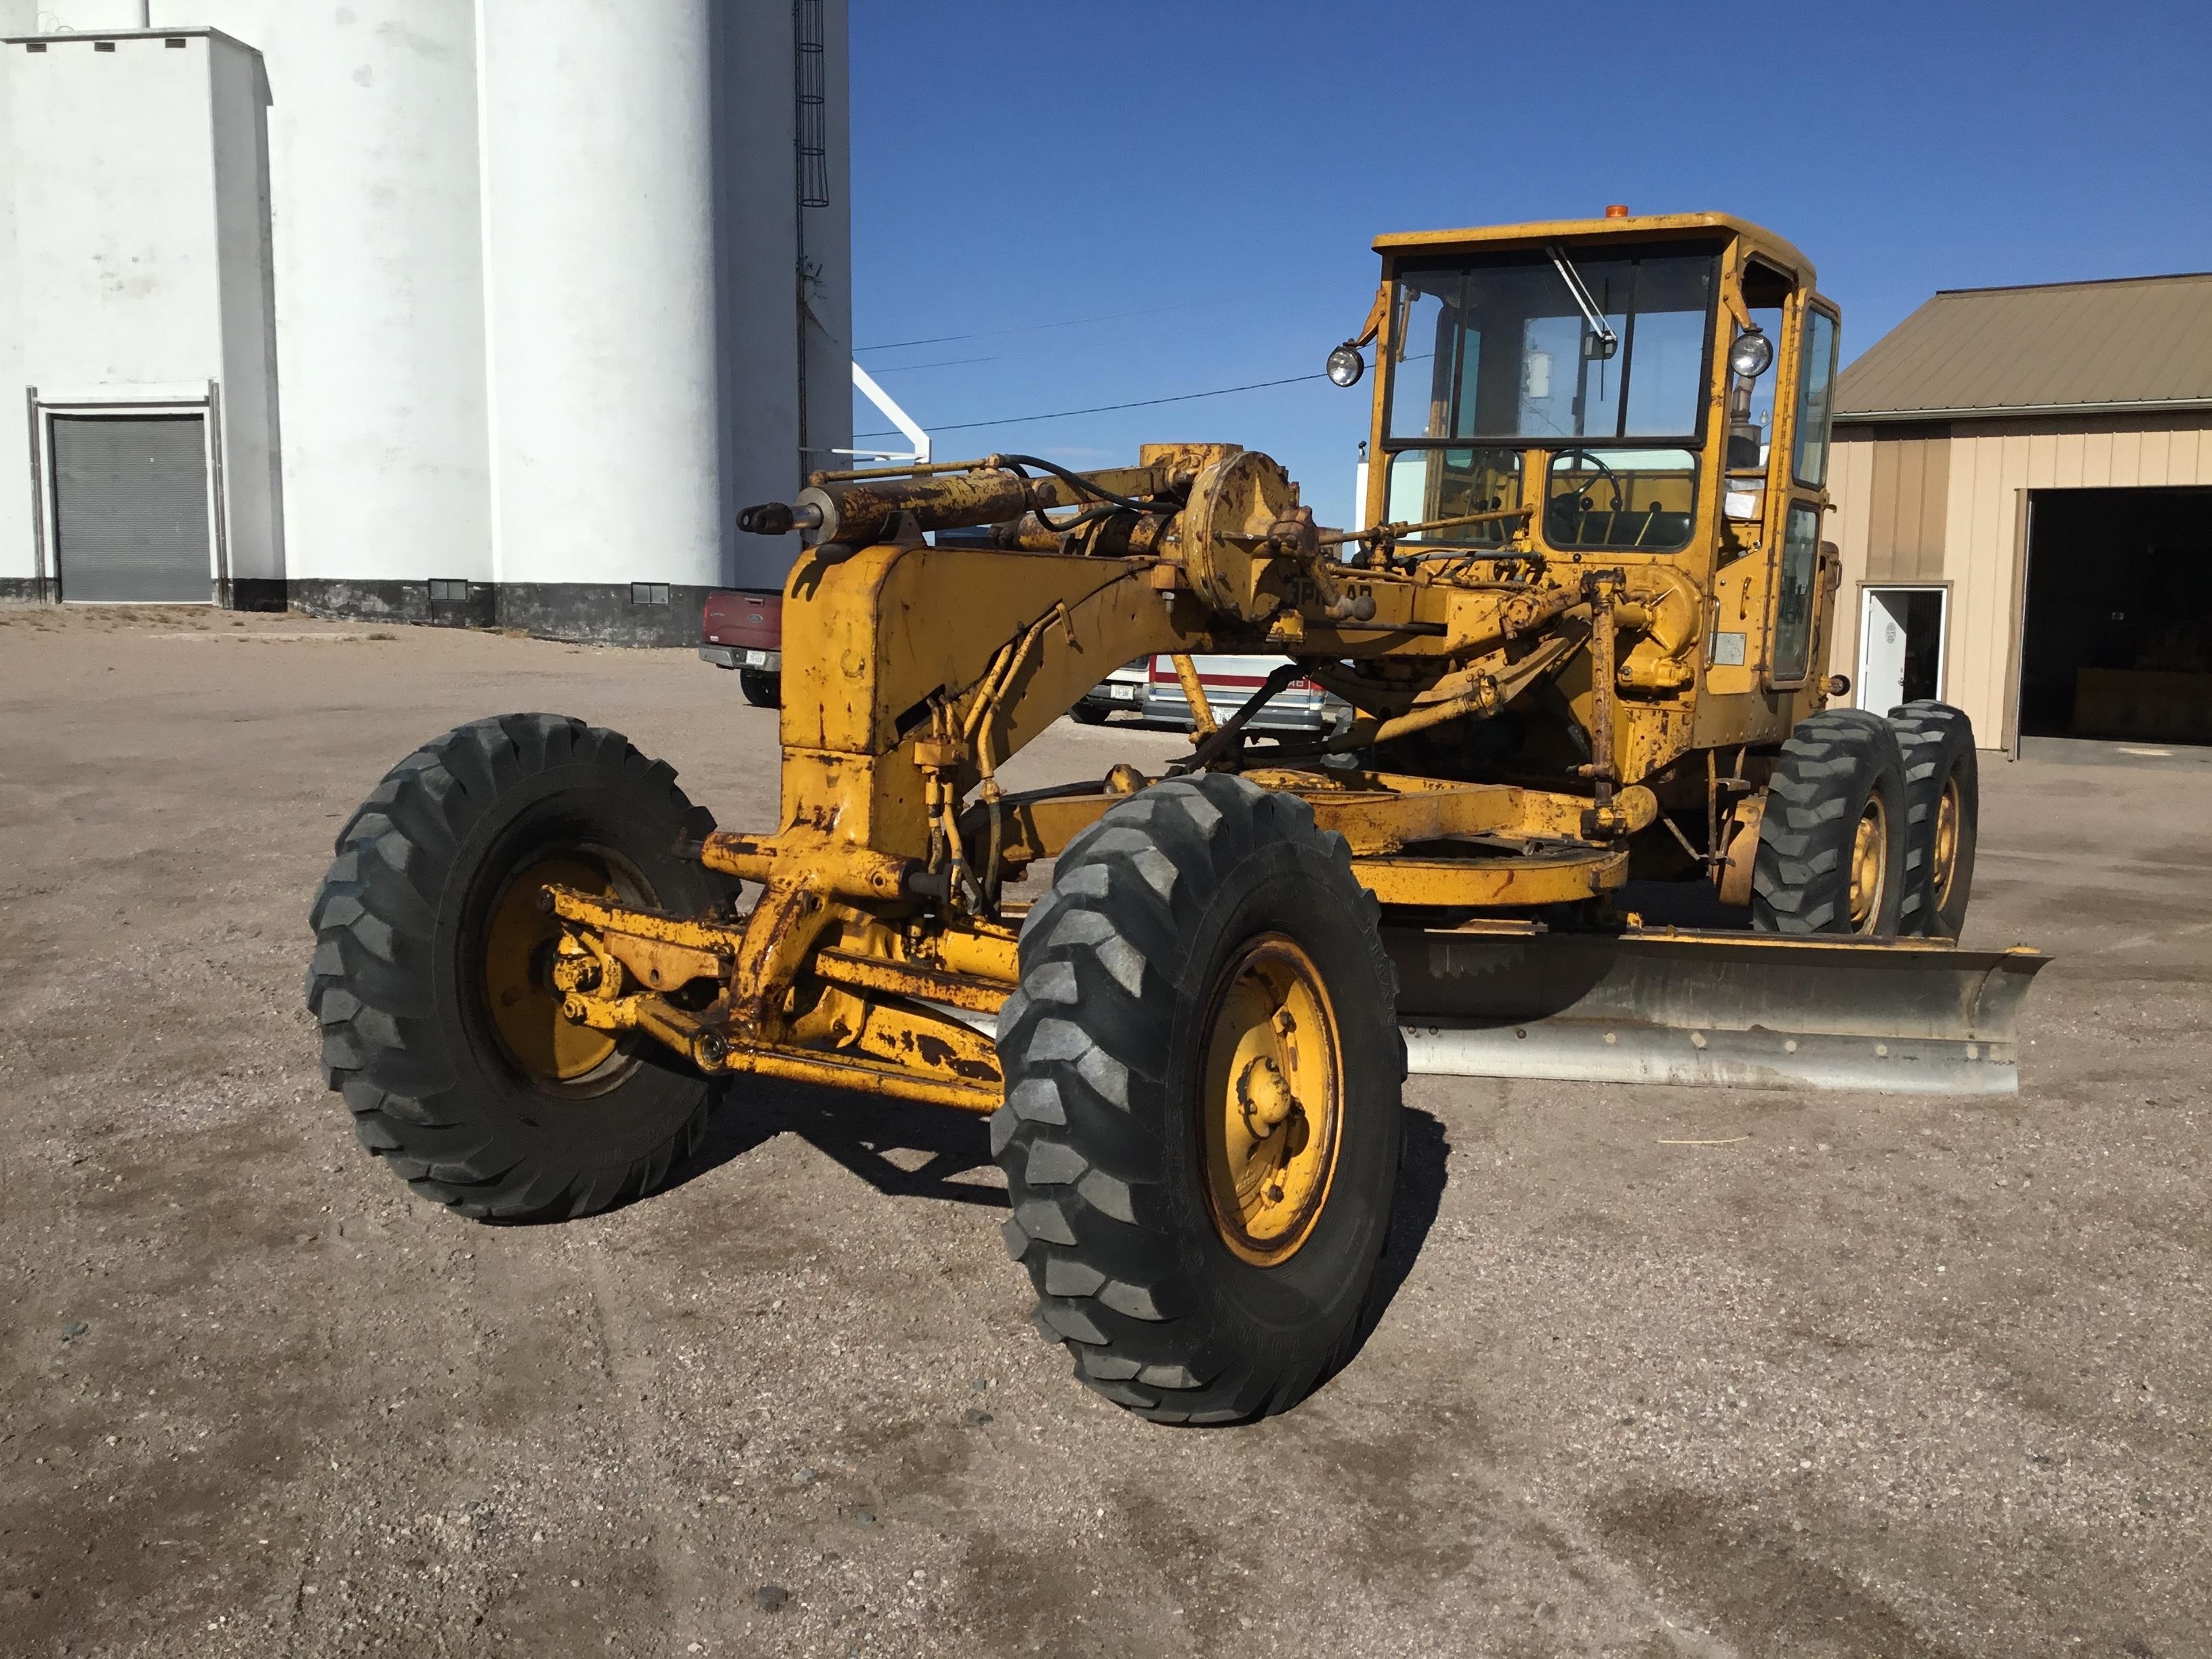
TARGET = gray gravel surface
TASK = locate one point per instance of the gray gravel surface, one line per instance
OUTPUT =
(1877, 1377)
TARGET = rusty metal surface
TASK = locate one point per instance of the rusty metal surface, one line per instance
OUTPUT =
(863, 1074)
(1229, 546)
(862, 510)
(1543, 876)
(907, 979)
(922, 1042)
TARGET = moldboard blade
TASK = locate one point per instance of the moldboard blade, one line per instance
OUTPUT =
(1728, 1009)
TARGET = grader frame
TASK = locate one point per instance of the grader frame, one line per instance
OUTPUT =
(881, 938)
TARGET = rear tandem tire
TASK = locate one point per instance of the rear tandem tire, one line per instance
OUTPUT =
(762, 689)
(1942, 788)
(1089, 713)
(1833, 838)
(429, 910)
(1204, 943)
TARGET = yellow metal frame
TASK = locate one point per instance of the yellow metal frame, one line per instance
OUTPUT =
(879, 939)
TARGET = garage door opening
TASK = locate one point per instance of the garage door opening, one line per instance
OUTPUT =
(130, 508)
(1900, 645)
(2117, 644)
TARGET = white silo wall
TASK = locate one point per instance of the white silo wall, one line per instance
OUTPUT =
(755, 210)
(253, 547)
(830, 250)
(599, 281)
(378, 288)
(18, 540)
(529, 294)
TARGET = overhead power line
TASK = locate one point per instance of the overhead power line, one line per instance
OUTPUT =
(947, 362)
(1106, 409)
(1025, 328)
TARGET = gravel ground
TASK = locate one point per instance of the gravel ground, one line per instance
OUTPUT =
(1879, 1376)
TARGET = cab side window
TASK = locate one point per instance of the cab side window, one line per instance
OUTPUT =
(1815, 399)
(1793, 596)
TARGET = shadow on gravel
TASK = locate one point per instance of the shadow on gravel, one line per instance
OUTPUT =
(898, 1147)
(911, 1150)
(1422, 1173)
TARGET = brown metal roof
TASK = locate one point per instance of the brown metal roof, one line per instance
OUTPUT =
(2135, 342)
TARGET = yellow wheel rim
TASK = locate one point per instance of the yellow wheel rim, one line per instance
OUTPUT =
(517, 963)
(1869, 865)
(1946, 852)
(1270, 1104)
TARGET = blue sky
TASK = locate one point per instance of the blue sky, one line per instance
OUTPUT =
(1125, 199)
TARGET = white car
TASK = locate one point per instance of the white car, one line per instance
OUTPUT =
(1151, 690)
(1121, 691)
(1229, 683)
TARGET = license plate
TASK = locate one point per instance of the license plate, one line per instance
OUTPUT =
(755, 658)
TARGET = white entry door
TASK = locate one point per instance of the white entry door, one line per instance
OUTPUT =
(1901, 633)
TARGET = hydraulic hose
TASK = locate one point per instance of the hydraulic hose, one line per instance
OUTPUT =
(1076, 480)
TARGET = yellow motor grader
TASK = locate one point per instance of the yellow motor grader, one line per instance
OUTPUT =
(1583, 633)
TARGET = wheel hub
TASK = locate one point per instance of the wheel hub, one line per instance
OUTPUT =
(520, 944)
(1946, 851)
(1270, 1106)
(1869, 865)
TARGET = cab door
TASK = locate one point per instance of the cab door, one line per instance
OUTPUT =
(1795, 635)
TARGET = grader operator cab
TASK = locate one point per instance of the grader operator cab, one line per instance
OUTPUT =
(1583, 633)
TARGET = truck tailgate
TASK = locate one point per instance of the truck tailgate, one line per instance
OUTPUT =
(753, 621)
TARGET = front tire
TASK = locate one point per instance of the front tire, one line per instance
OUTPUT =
(1201, 1131)
(1832, 837)
(440, 1028)
(1089, 713)
(1943, 789)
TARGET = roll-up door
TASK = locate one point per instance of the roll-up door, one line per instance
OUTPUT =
(130, 508)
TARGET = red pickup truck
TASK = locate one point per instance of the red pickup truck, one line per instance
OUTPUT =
(744, 631)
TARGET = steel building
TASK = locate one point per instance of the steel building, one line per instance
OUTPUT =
(2023, 480)
(490, 312)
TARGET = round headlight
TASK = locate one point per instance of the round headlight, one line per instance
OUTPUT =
(1751, 354)
(1346, 365)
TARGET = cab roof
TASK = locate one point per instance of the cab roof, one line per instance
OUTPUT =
(1645, 226)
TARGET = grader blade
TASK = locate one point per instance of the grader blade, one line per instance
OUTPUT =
(1653, 1006)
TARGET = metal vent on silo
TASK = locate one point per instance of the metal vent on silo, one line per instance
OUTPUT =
(130, 508)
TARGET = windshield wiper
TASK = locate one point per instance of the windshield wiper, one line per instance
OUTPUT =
(1608, 341)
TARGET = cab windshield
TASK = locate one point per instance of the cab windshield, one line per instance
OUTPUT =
(1533, 347)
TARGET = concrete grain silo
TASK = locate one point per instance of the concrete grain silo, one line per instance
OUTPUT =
(421, 309)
